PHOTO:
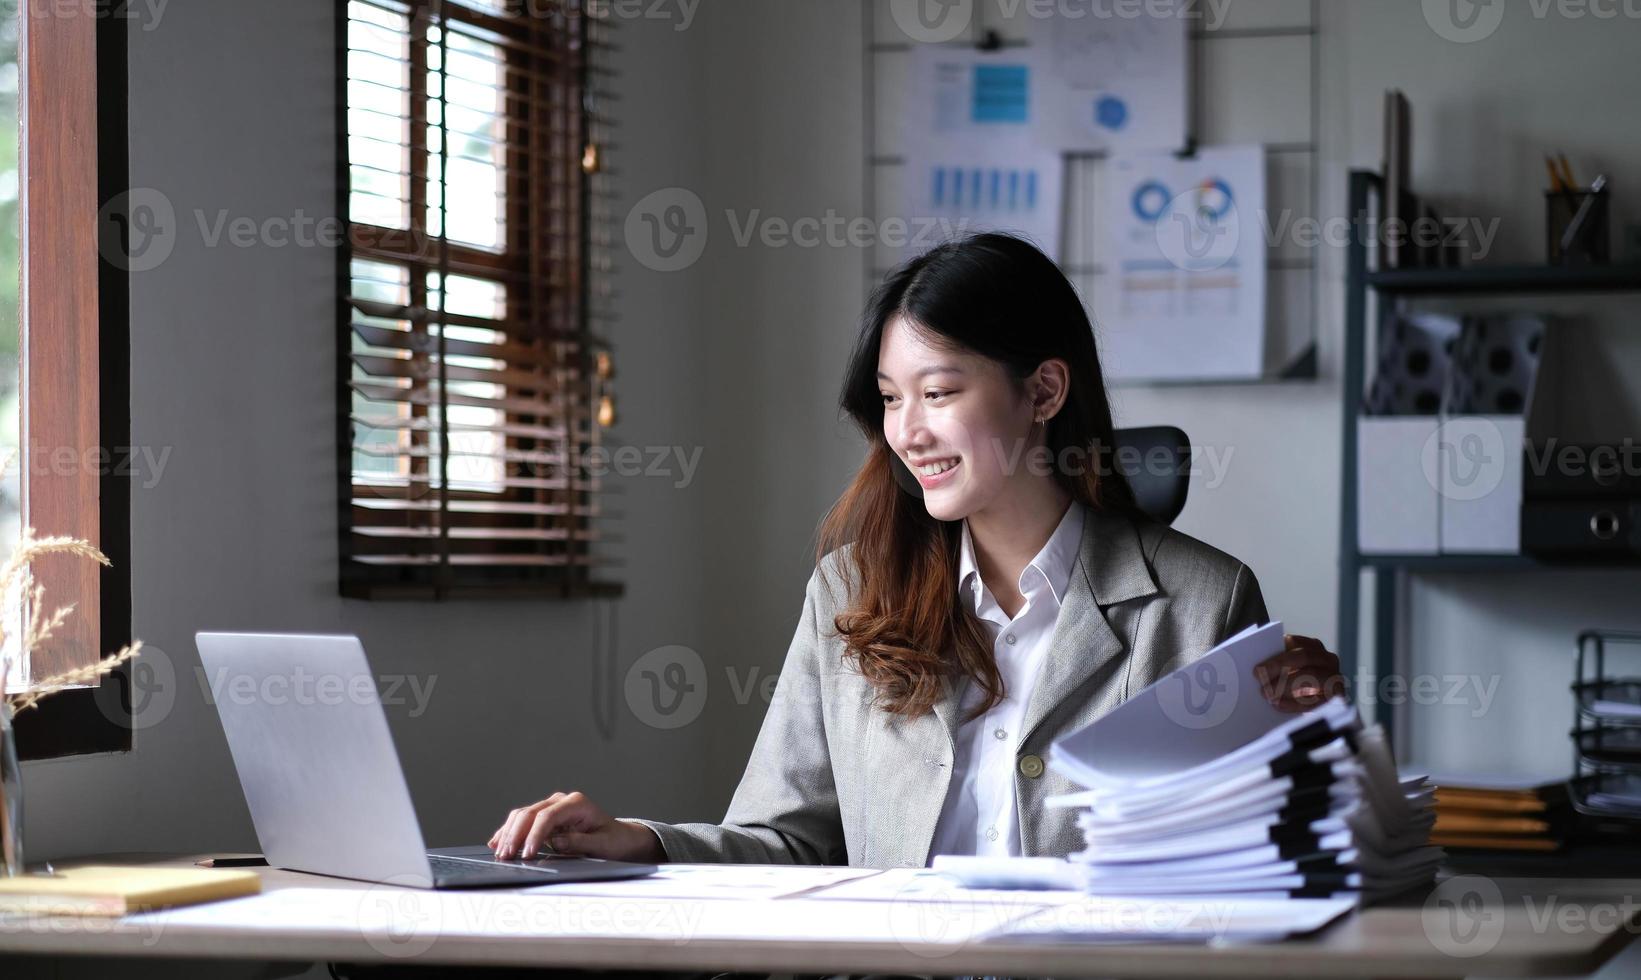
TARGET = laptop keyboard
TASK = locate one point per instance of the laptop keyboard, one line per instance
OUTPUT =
(448, 869)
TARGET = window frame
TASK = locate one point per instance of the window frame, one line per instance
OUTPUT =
(513, 258)
(86, 407)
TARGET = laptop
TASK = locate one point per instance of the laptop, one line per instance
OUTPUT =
(321, 777)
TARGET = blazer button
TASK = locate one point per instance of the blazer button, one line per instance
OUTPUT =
(1031, 766)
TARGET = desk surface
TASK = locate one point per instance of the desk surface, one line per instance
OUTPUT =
(1503, 927)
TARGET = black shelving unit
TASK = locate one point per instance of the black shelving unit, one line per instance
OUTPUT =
(1392, 286)
(1506, 279)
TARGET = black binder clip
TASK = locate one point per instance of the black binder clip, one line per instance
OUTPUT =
(990, 41)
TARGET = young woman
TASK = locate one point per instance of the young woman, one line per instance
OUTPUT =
(984, 586)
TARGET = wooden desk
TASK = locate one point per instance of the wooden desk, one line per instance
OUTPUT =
(1528, 927)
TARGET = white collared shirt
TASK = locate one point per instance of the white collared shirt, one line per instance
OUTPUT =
(979, 813)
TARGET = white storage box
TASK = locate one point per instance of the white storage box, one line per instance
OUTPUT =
(1396, 511)
(1478, 459)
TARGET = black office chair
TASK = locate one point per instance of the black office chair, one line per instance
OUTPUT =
(1156, 459)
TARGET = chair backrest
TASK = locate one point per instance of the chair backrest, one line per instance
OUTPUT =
(1156, 459)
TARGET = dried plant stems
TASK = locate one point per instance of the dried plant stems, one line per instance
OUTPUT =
(41, 625)
(73, 678)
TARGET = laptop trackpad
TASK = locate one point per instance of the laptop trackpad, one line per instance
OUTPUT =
(482, 853)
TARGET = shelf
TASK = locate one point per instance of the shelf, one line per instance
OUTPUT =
(1450, 563)
(1581, 858)
(1387, 609)
(1508, 279)
(1493, 563)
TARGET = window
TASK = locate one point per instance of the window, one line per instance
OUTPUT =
(475, 387)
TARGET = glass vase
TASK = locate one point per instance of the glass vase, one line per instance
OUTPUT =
(11, 798)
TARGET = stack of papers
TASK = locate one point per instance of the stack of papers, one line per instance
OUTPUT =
(1199, 786)
(1475, 811)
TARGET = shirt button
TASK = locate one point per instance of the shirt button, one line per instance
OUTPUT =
(1031, 766)
(1009, 639)
(991, 833)
(1001, 734)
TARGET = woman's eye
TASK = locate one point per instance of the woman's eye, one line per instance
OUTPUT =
(935, 396)
(888, 399)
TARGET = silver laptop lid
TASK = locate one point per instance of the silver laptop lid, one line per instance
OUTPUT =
(314, 755)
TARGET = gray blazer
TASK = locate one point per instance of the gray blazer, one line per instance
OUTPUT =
(834, 780)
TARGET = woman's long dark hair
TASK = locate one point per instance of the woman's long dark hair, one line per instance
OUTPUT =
(999, 297)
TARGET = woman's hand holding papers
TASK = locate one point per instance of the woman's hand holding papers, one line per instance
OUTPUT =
(570, 823)
(1302, 676)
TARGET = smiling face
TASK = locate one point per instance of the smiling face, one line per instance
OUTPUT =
(956, 419)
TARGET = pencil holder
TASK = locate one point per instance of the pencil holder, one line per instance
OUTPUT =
(1575, 223)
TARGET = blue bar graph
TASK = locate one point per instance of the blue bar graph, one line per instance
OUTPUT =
(983, 188)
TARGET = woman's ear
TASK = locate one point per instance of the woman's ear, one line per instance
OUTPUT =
(1049, 387)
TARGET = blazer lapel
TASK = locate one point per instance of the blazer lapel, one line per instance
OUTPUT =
(949, 708)
(1111, 568)
(921, 783)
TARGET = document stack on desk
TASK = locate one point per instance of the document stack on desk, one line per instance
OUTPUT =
(1497, 814)
(1199, 786)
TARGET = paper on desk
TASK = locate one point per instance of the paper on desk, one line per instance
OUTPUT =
(929, 885)
(408, 919)
(1252, 833)
(1103, 919)
(1615, 709)
(1271, 855)
(1220, 792)
(1209, 714)
(733, 881)
(1217, 814)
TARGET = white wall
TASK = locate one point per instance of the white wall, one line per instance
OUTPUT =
(758, 105)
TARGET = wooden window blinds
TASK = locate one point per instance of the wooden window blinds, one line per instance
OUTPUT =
(474, 382)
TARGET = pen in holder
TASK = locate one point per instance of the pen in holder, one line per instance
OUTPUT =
(1575, 222)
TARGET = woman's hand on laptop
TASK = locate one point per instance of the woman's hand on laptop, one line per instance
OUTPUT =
(569, 823)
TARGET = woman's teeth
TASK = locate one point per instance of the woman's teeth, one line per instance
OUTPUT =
(935, 469)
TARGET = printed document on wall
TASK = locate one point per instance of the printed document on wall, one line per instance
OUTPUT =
(974, 159)
(1183, 297)
(1114, 74)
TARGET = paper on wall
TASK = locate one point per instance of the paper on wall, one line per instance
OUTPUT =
(1184, 294)
(975, 159)
(1113, 75)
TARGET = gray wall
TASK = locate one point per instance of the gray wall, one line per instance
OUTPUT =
(231, 108)
(758, 105)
